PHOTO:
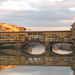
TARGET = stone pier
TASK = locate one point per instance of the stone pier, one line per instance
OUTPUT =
(47, 50)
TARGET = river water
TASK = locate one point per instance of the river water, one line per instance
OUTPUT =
(38, 70)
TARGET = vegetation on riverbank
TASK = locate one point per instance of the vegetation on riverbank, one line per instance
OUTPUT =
(31, 45)
(13, 47)
(8, 47)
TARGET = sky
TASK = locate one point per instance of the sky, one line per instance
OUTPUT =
(38, 14)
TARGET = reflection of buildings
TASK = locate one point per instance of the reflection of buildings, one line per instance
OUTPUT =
(59, 61)
(21, 60)
(7, 67)
(63, 46)
(9, 51)
(12, 59)
(41, 60)
(14, 51)
(56, 48)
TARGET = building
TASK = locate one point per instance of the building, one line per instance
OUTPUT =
(11, 28)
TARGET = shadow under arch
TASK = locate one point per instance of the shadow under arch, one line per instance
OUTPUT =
(29, 54)
(33, 55)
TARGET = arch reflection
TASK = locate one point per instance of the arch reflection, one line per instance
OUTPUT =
(62, 48)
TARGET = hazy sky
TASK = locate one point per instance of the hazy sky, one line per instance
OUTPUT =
(38, 13)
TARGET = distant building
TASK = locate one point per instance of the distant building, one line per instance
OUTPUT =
(11, 28)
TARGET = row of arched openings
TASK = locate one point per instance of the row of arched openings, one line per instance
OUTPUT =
(34, 38)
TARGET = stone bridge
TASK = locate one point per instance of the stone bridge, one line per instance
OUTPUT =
(49, 38)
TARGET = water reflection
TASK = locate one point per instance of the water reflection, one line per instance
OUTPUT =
(62, 48)
(25, 56)
(38, 50)
(30, 70)
(4, 67)
(62, 52)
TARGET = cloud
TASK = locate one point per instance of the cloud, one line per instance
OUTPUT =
(42, 18)
(49, 14)
(64, 28)
(18, 0)
(46, 4)
(3, 1)
(1, 4)
(46, 14)
(39, 4)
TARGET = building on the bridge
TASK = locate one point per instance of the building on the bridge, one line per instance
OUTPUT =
(56, 36)
(13, 38)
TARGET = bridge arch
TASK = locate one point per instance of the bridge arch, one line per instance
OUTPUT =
(62, 48)
(33, 49)
(39, 38)
(35, 38)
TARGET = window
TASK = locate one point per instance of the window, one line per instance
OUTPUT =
(34, 33)
(29, 33)
(70, 34)
(39, 33)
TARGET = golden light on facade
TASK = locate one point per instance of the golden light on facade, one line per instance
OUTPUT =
(11, 28)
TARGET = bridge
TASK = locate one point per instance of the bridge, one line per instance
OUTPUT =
(48, 58)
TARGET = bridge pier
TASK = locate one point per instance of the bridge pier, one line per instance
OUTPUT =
(73, 68)
(73, 40)
(17, 45)
(47, 52)
(47, 49)
(74, 60)
(18, 52)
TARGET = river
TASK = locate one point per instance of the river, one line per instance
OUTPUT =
(38, 70)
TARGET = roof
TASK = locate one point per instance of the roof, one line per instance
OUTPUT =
(12, 25)
(35, 31)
